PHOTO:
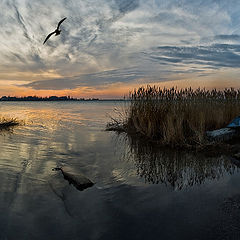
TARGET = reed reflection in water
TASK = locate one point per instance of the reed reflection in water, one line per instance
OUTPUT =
(176, 168)
(120, 205)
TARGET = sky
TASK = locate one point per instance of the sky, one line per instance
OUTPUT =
(109, 47)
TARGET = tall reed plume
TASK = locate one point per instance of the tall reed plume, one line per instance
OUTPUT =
(179, 116)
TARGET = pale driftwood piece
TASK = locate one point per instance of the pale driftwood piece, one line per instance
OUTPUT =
(73, 177)
(223, 134)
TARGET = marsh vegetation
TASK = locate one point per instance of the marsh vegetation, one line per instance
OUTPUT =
(8, 123)
(177, 117)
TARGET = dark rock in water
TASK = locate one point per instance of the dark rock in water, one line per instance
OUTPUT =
(78, 180)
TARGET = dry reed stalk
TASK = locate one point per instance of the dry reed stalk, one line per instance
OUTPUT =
(179, 116)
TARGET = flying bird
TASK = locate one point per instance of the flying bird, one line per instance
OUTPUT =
(57, 31)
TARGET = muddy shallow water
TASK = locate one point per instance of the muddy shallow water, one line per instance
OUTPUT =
(140, 191)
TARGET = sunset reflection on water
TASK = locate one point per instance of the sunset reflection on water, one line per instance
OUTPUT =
(132, 179)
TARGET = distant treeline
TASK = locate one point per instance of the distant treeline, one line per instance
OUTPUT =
(51, 98)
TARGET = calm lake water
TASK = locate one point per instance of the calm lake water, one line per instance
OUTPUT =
(140, 191)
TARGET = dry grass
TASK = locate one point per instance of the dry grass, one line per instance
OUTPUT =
(178, 117)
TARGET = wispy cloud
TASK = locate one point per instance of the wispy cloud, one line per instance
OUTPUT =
(215, 56)
(104, 42)
(93, 80)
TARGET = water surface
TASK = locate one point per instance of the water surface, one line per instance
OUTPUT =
(140, 191)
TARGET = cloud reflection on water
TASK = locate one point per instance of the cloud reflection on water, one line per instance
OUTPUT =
(119, 197)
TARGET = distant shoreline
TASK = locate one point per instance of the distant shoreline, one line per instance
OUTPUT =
(51, 99)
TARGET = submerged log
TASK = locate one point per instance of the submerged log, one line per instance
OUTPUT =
(77, 179)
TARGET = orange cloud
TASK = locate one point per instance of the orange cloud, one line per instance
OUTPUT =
(118, 90)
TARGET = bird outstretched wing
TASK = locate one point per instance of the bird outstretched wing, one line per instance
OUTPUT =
(60, 23)
(48, 36)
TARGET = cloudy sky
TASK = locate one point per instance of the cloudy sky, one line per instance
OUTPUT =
(108, 47)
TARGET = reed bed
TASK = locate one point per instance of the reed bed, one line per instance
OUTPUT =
(177, 116)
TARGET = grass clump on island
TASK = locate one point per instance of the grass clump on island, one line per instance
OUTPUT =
(7, 123)
(177, 117)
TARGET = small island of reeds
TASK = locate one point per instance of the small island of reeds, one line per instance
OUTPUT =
(177, 117)
(8, 123)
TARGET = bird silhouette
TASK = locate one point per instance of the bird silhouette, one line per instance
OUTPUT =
(57, 31)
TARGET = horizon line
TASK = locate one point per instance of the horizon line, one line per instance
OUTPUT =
(55, 98)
